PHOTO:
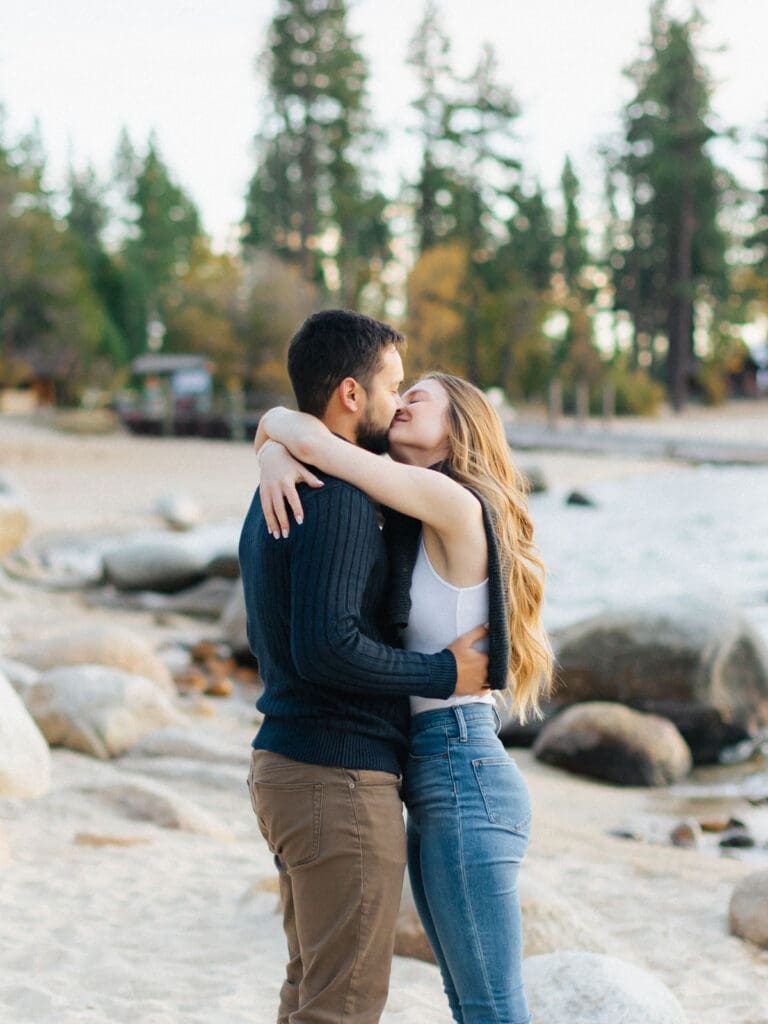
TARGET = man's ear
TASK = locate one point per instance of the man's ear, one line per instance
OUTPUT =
(349, 392)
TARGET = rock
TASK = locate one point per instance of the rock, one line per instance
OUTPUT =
(180, 771)
(205, 600)
(167, 564)
(25, 761)
(614, 743)
(234, 625)
(159, 561)
(14, 515)
(174, 742)
(514, 734)
(748, 911)
(737, 839)
(589, 988)
(701, 665)
(579, 498)
(410, 937)
(191, 680)
(98, 710)
(552, 923)
(21, 677)
(686, 834)
(146, 800)
(220, 686)
(112, 646)
(535, 479)
(179, 511)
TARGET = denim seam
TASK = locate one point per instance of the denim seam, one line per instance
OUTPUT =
(467, 891)
(350, 993)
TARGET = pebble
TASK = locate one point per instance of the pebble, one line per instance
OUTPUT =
(687, 834)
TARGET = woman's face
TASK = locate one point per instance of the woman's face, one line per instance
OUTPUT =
(419, 431)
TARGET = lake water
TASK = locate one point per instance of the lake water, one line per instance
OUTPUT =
(685, 532)
(663, 537)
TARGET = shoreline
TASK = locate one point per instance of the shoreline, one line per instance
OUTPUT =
(111, 918)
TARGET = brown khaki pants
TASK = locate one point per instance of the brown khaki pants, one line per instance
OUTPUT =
(339, 844)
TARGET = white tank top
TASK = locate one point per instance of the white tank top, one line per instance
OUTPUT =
(441, 612)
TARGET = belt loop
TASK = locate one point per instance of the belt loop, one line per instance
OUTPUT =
(461, 722)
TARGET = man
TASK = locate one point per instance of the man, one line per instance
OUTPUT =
(325, 769)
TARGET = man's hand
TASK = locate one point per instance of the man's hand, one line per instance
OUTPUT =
(471, 664)
(279, 474)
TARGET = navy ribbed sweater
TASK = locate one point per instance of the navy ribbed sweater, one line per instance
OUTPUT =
(334, 693)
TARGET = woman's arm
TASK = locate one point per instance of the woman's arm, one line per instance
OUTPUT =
(279, 473)
(432, 497)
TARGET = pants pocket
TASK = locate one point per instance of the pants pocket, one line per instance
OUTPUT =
(504, 793)
(289, 817)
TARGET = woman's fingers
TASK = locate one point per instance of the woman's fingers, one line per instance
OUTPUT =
(277, 498)
(310, 478)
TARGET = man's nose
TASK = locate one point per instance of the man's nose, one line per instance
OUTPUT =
(399, 403)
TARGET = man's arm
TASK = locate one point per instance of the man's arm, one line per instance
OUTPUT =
(331, 559)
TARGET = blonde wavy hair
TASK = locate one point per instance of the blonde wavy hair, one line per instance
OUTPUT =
(480, 458)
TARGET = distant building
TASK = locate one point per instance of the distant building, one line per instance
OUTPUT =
(178, 385)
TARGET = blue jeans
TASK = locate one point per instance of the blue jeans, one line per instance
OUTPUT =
(468, 824)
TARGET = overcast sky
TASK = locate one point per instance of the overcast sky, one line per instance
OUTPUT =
(84, 68)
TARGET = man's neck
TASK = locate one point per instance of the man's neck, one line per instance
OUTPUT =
(340, 427)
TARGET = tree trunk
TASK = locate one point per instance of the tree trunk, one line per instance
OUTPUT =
(680, 323)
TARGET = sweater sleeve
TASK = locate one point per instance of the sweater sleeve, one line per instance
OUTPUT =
(331, 561)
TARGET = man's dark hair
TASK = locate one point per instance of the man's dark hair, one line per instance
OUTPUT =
(332, 345)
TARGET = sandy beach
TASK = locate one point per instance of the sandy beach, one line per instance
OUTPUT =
(105, 917)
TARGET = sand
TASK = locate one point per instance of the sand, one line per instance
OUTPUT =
(108, 919)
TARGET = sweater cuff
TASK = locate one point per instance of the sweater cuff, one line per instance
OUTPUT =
(442, 678)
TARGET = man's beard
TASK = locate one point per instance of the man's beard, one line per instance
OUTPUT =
(373, 437)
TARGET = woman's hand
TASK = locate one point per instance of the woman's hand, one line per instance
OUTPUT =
(279, 474)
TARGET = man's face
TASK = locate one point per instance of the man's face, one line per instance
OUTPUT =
(381, 402)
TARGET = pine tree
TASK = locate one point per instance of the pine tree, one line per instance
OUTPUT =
(87, 218)
(50, 320)
(311, 200)
(429, 55)
(676, 243)
(163, 228)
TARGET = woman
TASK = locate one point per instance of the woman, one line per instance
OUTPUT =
(464, 540)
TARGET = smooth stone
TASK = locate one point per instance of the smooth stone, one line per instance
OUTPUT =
(179, 511)
(233, 624)
(21, 677)
(701, 665)
(553, 923)
(204, 600)
(535, 479)
(614, 743)
(112, 646)
(146, 800)
(737, 840)
(748, 910)
(686, 834)
(180, 771)
(170, 562)
(591, 988)
(550, 923)
(98, 710)
(174, 742)
(579, 498)
(25, 760)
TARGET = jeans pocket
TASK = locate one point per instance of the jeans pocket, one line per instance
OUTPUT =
(290, 818)
(504, 793)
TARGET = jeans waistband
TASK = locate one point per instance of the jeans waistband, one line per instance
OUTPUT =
(456, 718)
